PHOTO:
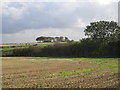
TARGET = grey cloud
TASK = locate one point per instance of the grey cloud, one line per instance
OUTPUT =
(91, 11)
(50, 15)
(35, 18)
(119, 13)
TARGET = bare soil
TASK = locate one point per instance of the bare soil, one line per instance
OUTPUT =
(34, 73)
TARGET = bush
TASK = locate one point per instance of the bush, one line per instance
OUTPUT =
(84, 48)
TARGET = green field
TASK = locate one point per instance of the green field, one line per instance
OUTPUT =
(10, 47)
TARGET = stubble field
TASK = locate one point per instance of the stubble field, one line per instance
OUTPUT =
(43, 72)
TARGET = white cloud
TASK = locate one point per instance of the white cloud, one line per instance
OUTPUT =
(30, 20)
(104, 2)
(45, 0)
(13, 12)
(80, 23)
(32, 34)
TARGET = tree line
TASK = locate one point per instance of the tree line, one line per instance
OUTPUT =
(52, 39)
(103, 40)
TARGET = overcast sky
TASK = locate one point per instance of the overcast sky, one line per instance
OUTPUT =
(25, 21)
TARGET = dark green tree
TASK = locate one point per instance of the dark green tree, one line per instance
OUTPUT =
(41, 39)
(103, 30)
(66, 39)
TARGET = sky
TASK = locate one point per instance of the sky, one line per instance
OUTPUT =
(24, 21)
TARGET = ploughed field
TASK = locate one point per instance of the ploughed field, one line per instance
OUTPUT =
(43, 72)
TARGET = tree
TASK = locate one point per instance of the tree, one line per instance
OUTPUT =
(61, 38)
(66, 39)
(52, 39)
(57, 39)
(40, 39)
(103, 30)
(45, 39)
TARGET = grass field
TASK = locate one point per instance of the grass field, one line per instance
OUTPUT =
(43, 72)
(10, 47)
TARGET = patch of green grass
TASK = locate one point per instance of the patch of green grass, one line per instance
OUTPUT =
(9, 49)
(47, 44)
(114, 67)
(111, 63)
(97, 59)
(6, 49)
(83, 71)
(44, 44)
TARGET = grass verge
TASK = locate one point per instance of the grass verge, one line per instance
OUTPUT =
(83, 71)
